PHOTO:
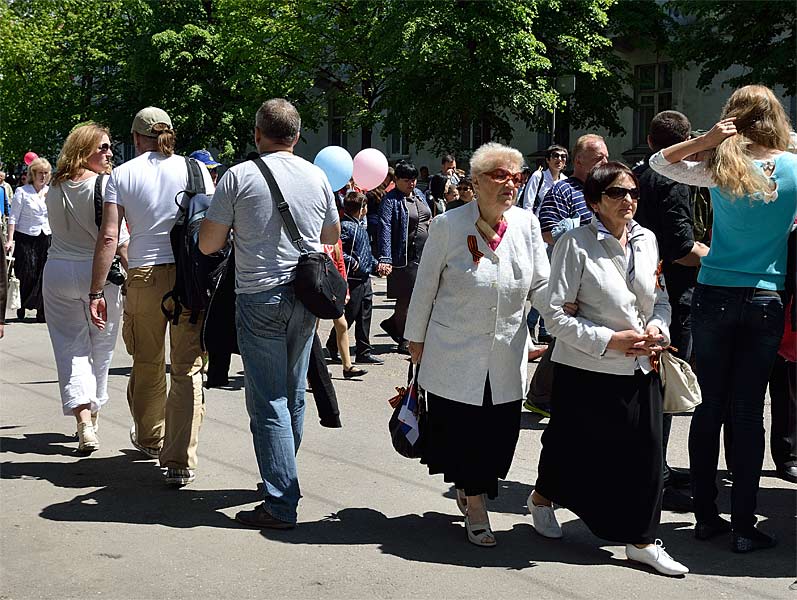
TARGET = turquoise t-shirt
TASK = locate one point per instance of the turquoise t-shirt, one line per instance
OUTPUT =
(748, 243)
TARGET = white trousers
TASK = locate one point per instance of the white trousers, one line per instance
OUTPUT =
(83, 353)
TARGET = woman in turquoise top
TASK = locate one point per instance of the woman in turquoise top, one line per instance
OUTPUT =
(737, 312)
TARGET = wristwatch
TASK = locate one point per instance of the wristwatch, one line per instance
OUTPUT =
(97, 295)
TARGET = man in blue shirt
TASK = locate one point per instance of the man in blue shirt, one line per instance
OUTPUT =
(565, 200)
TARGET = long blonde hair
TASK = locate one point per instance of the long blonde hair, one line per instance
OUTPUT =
(80, 144)
(760, 119)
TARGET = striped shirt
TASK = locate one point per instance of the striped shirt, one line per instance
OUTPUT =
(564, 200)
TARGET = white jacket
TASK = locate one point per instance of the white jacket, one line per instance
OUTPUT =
(583, 271)
(471, 317)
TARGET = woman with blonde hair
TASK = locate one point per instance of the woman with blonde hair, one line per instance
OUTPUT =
(29, 236)
(737, 312)
(82, 352)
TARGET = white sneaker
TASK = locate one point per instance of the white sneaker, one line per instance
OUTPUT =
(655, 556)
(87, 438)
(544, 520)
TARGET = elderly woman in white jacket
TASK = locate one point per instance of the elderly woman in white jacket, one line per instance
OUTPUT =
(467, 329)
(606, 404)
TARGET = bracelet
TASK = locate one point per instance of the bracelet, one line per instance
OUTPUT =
(96, 296)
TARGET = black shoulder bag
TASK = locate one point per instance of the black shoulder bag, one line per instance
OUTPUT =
(116, 274)
(317, 284)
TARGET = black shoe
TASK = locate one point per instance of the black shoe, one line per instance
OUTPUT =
(705, 530)
(261, 519)
(403, 347)
(545, 338)
(353, 372)
(389, 328)
(333, 357)
(788, 474)
(369, 359)
(754, 539)
(40, 317)
(676, 501)
(21, 314)
(678, 478)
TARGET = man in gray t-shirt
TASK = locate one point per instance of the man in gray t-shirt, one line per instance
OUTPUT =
(274, 328)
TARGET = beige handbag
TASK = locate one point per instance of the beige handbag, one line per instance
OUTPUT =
(680, 389)
(14, 298)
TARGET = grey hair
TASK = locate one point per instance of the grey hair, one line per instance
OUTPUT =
(278, 120)
(492, 155)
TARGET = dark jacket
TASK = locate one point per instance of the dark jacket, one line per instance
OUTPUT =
(356, 249)
(393, 228)
(665, 207)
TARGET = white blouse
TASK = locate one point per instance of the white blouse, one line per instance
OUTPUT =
(28, 211)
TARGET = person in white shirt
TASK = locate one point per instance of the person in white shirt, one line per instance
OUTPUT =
(145, 191)
(82, 352)
(29, 237)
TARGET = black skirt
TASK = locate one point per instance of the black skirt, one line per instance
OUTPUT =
(401, 281)
(601, 452)
(471, 445)
(30, 254)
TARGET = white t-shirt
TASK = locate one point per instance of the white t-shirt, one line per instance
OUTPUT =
(146, 187)
(265, 257)
(532, 203)
(70, 206)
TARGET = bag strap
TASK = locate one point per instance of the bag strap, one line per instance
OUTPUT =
(196, 182)
(282, 205)
(537, 191)
(98, 200)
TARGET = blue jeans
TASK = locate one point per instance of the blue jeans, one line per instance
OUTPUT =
(736, 336)
(531, 320)
(275, 333)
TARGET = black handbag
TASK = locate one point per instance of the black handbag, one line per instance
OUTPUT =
(116, 274)
(407, 424)
(317, 284)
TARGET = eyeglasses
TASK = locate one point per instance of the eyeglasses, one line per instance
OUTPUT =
(504, 176)
(619, 193)
(558, 156)
(464, 189)
(104, 147)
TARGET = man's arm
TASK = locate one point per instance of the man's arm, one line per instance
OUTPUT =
(212, 236)
(553, 209)
(330, 233)
(678, 241)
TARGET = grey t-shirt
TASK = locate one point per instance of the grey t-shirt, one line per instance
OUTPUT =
(265, 257)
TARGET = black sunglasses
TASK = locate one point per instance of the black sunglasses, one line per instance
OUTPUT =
(619, 193)
(559, 155)
(104, 147)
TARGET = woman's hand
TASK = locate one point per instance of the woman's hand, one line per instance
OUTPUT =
(720, 132)
(632, 343)
(9, 247)
(384, 269)
(571, 308)
(99, 312)
(416, 352)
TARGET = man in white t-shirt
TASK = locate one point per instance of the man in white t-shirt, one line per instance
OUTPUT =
(275, 330)
(143, 191)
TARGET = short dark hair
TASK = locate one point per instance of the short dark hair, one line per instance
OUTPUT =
(667, 128)
(353, 201)
(277, 119)
(555, 148)
(466, 181)
(447, 158)
(601, 177)
(405, 170)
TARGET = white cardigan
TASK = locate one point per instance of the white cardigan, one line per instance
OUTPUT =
(583, 271)
(471, 317)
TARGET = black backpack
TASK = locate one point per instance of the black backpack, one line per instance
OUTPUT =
(193, 283)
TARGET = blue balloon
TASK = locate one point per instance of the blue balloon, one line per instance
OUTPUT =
(338, 165)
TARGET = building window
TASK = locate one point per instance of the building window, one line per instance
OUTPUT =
(475, 134)
(398, 145)
(653, 92)
(337, 134)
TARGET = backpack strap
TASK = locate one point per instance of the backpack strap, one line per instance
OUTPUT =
(196, 182)
(98, 200)
(282, 205)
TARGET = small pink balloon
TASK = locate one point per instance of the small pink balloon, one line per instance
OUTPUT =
(370, 168)
(30, 157)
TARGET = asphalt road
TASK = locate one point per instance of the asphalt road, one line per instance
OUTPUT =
(372, 524)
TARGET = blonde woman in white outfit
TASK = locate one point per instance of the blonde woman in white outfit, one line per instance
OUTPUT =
(82, 352)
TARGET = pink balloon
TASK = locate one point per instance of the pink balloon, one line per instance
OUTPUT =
(30, 157)
(370, 168)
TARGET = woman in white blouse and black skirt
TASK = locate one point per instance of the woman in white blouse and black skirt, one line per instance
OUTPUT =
(606, 402)
(29, 236)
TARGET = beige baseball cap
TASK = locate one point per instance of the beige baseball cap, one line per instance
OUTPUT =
(147, 118)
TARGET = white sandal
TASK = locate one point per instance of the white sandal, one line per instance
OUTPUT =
(480, 533)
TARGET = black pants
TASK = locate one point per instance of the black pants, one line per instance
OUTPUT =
(326, 400)
(358, 311)
(783, 395)
(31, 254)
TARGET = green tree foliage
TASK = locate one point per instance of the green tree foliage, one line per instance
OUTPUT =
(759, 36)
